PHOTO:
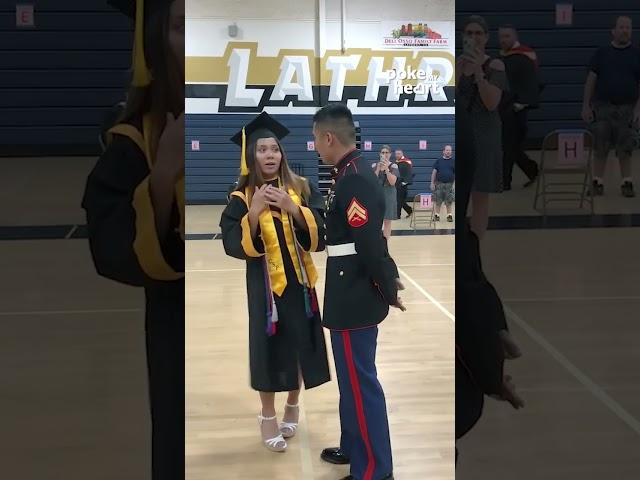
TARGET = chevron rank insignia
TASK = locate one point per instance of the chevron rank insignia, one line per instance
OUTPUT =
(357, 215)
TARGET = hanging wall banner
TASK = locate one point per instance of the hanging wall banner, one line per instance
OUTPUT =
(418, 35)
(297, 81)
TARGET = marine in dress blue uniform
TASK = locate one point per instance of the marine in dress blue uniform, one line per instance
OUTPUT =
(360, 286)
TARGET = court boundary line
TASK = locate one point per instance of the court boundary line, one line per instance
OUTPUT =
(71, 232)
(570, 299)
(597, 391)
(320, 267)
(429, 297)
(305, 448)
(71, 312)
(435, 232)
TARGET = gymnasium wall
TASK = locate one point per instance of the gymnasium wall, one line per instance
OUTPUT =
(212, 169)
(564, 51)
(59, 78)
(295, 32)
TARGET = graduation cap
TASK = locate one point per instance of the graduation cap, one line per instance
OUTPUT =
(263, 126)
(139, 11)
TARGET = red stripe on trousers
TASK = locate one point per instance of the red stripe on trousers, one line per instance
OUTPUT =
(357, 395)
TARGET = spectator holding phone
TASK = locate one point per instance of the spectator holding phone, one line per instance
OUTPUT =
(388, 174)
(480, 82)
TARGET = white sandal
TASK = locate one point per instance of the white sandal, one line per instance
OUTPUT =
(288, 429)
(275, 444)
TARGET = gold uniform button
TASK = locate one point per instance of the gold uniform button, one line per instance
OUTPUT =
(341, 273)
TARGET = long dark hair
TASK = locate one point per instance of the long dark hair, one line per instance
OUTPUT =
(165, 94)
(255, 178)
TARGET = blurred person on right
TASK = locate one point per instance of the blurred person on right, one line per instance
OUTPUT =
(482, 339)
(480, 82)
(611, 104)
(521, 65)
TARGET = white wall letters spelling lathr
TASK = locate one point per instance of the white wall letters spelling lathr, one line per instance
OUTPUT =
(425, 82)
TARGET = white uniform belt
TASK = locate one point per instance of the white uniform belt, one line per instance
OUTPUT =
(341, 250)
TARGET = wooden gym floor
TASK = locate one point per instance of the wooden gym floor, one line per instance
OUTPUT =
(572, 302)
(415, 364)
(73, 367)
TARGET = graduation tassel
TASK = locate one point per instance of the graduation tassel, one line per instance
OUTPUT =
(269, 314)
(315, 307)
(305, 280)
(274, 318)
(272, 309)
(269, 301)
(141, 73)
(244, 170)
(307, 304)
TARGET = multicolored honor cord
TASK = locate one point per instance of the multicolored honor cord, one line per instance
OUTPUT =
(272, 310)
(310, 298)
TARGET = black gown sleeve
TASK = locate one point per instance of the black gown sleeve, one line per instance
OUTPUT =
(524, 81)
(236, 232)
(355, 192)
(407, 176)
(313, 211)
(121, 223)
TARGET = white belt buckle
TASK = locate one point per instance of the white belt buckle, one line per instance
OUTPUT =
(341, 250)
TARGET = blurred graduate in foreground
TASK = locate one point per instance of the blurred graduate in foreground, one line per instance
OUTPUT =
(134, 200)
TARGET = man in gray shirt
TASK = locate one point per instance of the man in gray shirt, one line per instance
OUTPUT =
(611, 104)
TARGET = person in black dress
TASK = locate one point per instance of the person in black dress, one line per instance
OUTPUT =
(273, 220)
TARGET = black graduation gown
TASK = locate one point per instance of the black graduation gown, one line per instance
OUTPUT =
(524, 86)
(125, 248)
(299, 340)
(406, 172)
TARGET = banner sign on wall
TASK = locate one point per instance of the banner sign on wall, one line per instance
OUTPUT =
(395, 81)
(418, 35)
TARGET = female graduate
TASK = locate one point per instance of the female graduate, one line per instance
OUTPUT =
(134, 203)
(274, 219)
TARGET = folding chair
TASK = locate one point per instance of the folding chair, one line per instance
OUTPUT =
(566, 174)
(421, 215)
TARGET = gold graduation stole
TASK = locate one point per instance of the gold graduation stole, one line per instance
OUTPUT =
(146, 243)
(303, 263)
(144, 145)
(179, 187)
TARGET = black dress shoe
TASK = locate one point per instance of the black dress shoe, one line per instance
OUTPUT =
(335, 456)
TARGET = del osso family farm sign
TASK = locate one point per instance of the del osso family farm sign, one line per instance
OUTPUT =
(242, 80)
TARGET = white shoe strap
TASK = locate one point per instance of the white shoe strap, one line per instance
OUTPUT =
(275, 441)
